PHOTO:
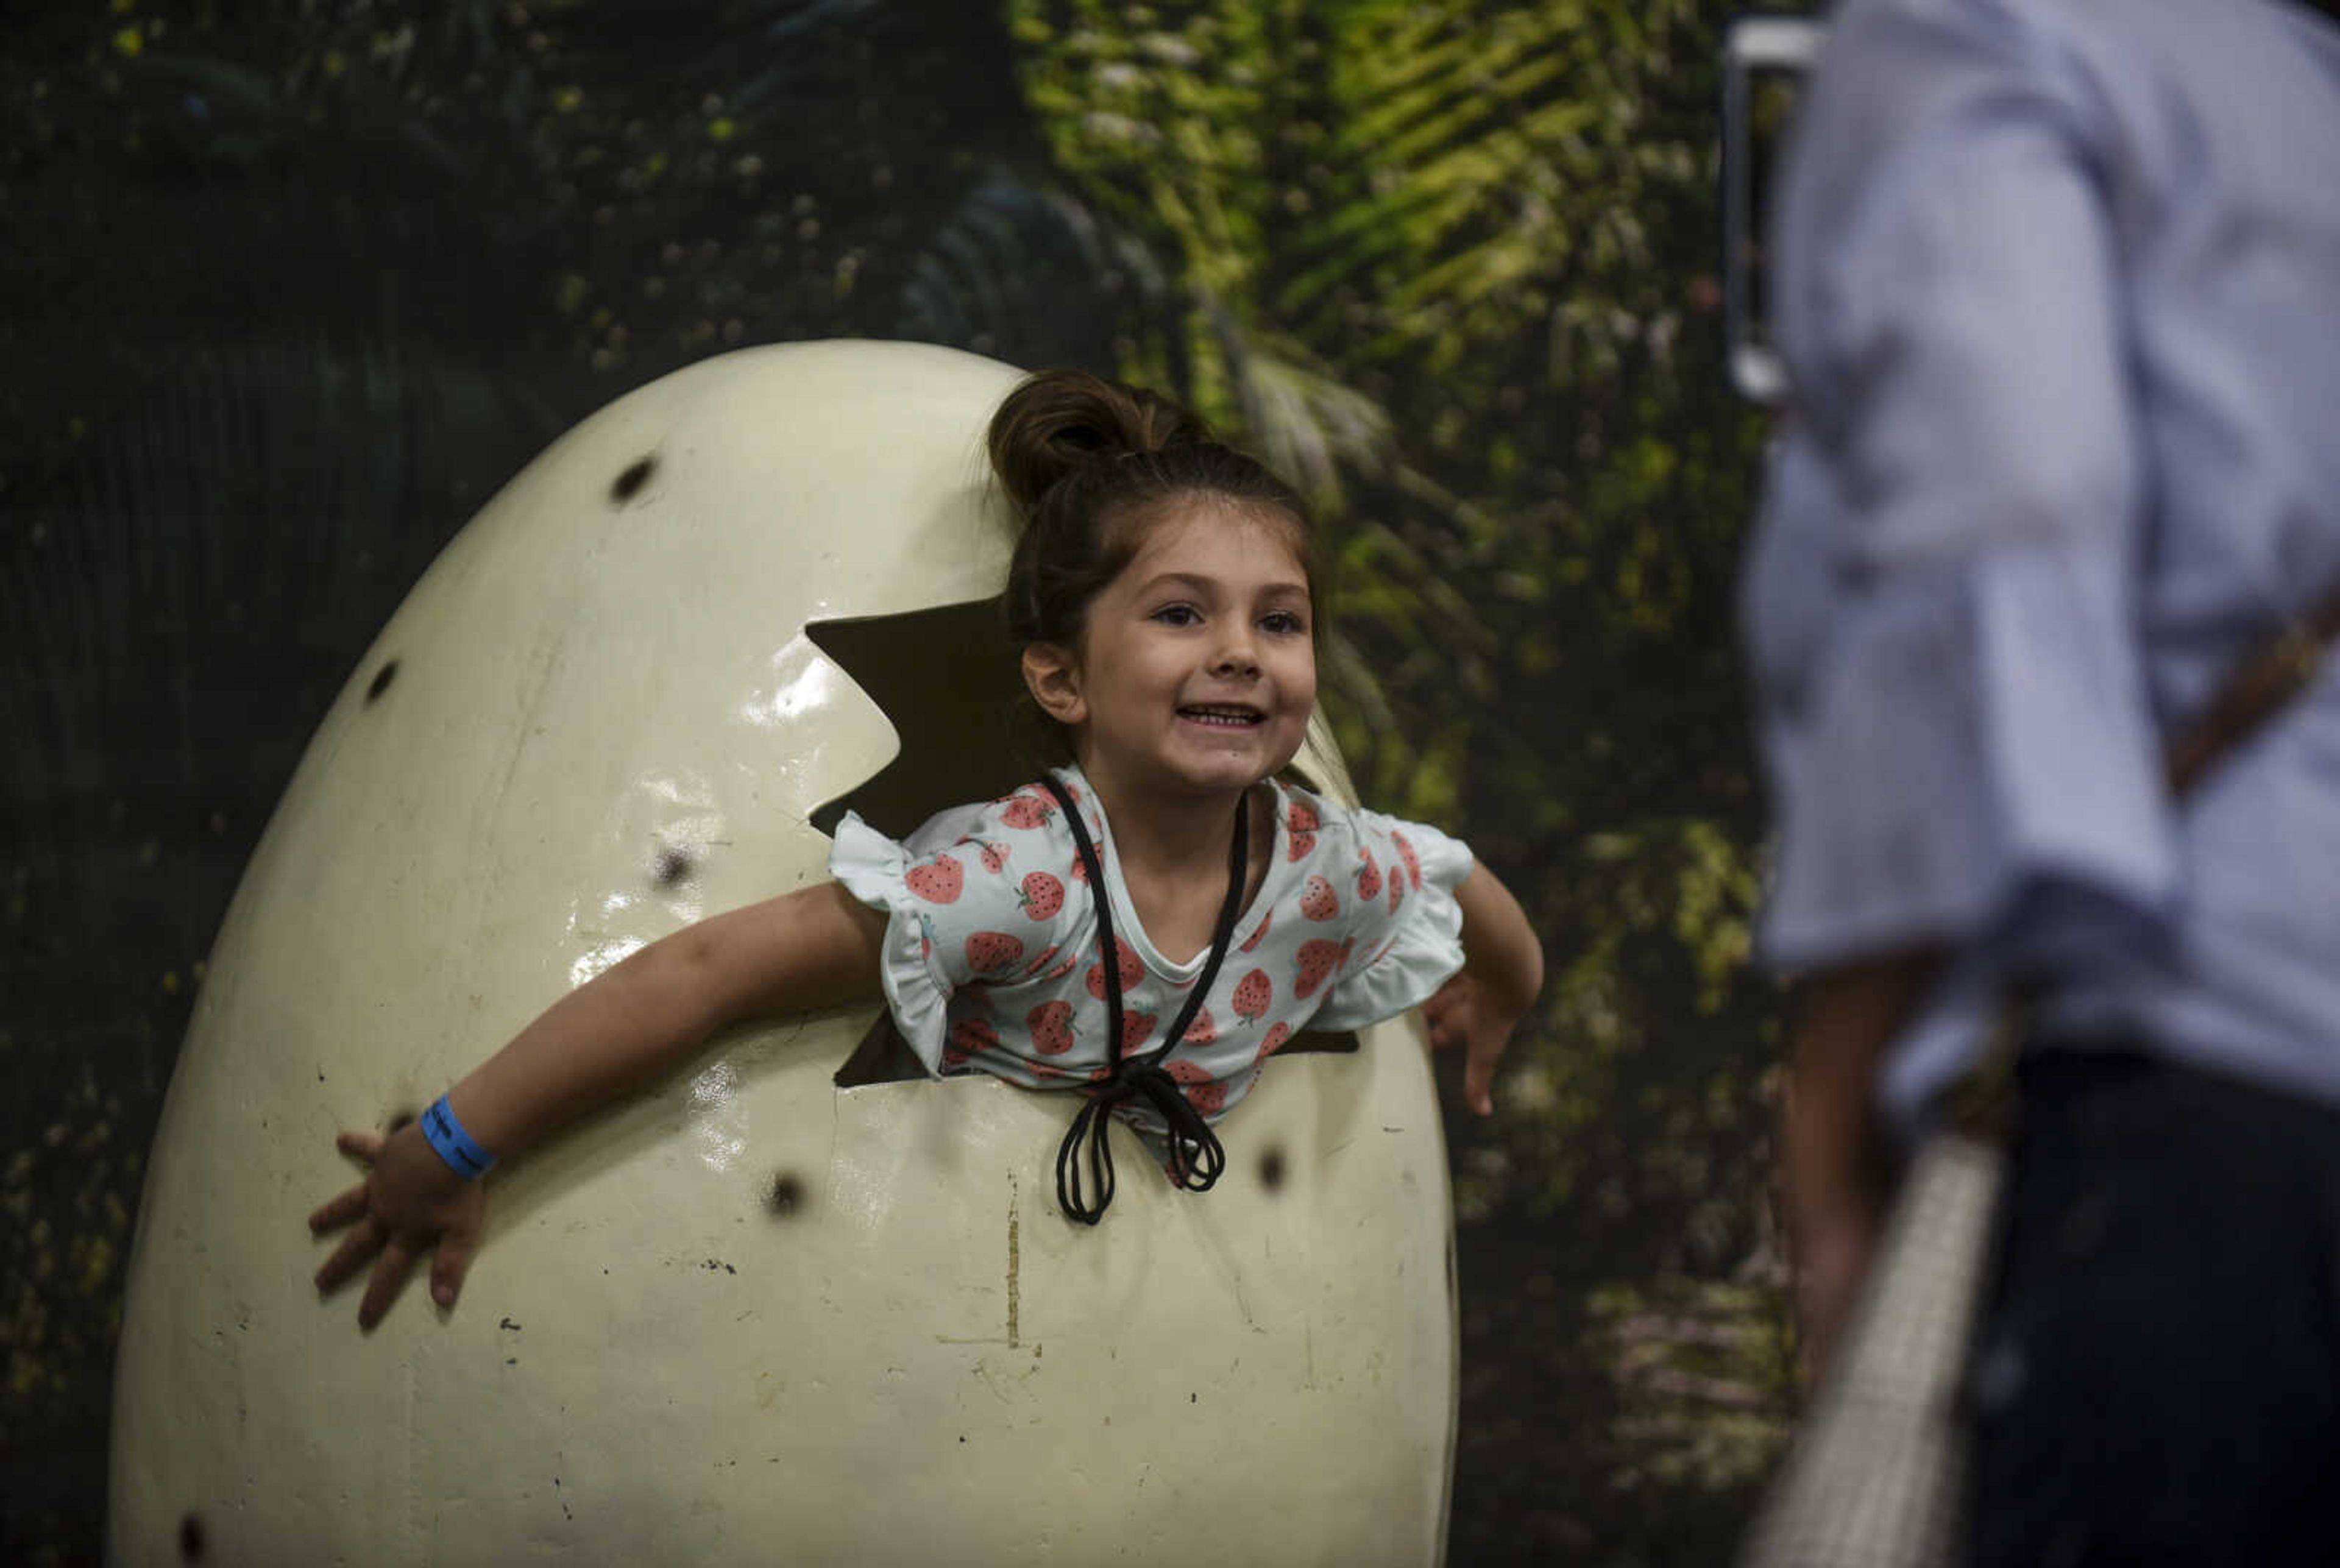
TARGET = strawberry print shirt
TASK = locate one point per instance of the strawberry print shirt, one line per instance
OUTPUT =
(991, 961)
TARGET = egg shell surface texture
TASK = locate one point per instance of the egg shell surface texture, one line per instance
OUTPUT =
(746, 1315)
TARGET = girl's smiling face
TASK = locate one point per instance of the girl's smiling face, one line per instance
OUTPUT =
(1196, 667)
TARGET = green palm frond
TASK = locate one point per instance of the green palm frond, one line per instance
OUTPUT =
(1301, 417)
(1478, 161)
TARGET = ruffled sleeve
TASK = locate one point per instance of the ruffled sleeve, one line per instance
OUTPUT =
(967, 918)
(875, 869)
(1399, 885)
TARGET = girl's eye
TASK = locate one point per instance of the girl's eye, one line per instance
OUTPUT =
(1284, 623)
(1178, 615)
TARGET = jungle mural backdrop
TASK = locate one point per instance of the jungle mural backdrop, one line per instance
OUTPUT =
(290, 291)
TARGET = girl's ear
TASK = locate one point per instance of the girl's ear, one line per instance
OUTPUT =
(1054, 682)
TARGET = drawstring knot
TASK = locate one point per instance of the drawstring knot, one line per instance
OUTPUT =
(1196, 1156)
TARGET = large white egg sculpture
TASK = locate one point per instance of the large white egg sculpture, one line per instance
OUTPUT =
(748, 1315)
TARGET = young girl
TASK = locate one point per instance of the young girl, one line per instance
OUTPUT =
(1146, 924)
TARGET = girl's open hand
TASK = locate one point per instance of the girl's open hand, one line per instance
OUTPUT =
(1460, 1013)
(409, 1203)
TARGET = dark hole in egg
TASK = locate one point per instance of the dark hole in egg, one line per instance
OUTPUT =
(382, 680)
(672, 866)
(1271, 1168)
(629, 484)
(191, 1539)
(788, 1195)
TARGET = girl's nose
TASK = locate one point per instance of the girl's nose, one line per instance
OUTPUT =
(1238, 655)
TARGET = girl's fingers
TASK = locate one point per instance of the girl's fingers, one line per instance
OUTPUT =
(1449, 1022)
(349, 1257)
(1479, 1073)
(350, 1206)
(371, 1239)
(382, 1286)
(450, 1262)
(1448, 1013)
(1478, 1083)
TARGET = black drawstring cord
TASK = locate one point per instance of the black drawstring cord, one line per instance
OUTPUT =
(1196, 1156)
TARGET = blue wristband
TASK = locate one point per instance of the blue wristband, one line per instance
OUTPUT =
(446, 1134)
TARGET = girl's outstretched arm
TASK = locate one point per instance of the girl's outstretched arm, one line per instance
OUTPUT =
(814, 948)
(1502, 971)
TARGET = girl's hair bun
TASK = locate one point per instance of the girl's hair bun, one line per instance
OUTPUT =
(1090, 464)
(1060, 421)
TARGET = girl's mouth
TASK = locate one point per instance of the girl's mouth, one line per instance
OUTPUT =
(1225, 717)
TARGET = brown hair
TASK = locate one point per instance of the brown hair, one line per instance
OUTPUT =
(1088, 463)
